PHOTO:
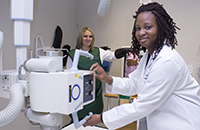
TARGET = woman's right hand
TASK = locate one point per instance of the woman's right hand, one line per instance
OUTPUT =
(100, 73)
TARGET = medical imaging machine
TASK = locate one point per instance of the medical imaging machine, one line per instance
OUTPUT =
(53, 91)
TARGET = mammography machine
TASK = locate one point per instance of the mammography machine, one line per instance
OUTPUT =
(52, 91)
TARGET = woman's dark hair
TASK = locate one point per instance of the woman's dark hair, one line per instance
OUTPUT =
(166, 28)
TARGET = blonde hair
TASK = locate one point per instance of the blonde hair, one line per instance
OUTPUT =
(79, 41)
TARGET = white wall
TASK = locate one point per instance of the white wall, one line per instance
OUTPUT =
(50, 13)
(185, 14)
(6, 26)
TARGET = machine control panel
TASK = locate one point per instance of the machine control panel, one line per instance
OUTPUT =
(88, 88)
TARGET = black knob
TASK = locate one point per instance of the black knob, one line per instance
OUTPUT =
(91, 82)
(90, 92)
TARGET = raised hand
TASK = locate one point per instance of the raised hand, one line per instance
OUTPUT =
(99, 73)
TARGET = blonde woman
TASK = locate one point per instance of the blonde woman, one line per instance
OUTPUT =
(85, 42)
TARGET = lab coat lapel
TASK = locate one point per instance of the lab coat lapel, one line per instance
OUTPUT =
(142, 123)
(143, 63)
(148, 66)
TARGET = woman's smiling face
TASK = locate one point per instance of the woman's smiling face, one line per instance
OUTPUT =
(146, 30)
(87, 40)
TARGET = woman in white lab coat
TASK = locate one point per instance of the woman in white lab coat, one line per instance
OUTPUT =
(167, 93)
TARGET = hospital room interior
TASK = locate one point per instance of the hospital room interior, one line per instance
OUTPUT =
(112, 28)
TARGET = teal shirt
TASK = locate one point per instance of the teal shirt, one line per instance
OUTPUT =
(84, 64)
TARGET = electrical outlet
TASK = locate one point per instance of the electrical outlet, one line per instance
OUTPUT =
(6, 82)
(7, 79)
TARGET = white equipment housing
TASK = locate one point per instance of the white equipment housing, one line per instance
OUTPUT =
(61, 92)
(56, 91)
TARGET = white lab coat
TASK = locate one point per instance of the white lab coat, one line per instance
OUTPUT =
(167, 95)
